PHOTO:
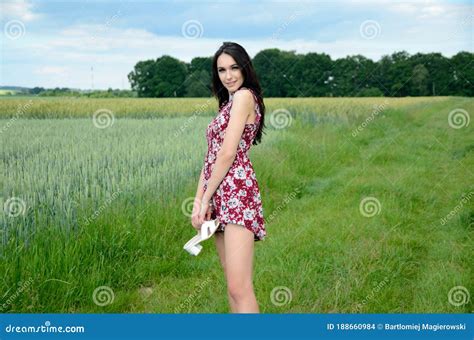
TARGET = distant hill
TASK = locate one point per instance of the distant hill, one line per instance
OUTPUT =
(14, 88)
(6, 91)
(30, 89)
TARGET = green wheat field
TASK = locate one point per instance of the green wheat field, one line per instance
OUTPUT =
(369, 206)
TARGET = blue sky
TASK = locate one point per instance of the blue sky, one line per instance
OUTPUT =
(57, 43)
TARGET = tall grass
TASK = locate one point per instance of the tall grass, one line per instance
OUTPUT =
(104, 207)
(55, 107)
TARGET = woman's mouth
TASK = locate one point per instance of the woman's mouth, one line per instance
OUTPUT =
(231, 84)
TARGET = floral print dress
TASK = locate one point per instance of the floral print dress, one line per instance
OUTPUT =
(237, 200)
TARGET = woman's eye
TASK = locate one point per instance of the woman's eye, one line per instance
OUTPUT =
(233, 68)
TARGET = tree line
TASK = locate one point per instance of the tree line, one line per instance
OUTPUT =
(12, 91)
(287, 74)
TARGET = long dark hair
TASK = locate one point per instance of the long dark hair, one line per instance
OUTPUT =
(250, 80)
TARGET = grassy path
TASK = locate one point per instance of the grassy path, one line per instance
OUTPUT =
(328, 255)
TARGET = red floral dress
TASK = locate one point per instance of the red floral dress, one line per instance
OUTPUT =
(237, 200)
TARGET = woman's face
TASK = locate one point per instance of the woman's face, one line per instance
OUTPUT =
(229, 72)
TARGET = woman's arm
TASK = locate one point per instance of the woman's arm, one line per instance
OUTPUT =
(242, 105)
(197, 202)
(220, 169)
(200, 188)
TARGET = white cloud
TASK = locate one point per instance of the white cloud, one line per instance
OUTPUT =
(19, 10)
(404, 8)
(53, 71)
(428, 9)
(87, 42)
(65, 57)
(432, 11)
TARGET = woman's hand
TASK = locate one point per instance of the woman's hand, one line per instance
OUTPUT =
(195, 214)
(204, 212)
(208, 213)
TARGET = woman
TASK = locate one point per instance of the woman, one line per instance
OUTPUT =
(228, 188)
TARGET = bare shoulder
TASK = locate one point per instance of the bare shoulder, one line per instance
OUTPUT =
(244, 97)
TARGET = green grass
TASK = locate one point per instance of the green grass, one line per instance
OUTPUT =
(313, 176)
(142, 108)
(7, 92)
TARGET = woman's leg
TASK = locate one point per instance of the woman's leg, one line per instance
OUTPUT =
(239, 246)
(219, 237)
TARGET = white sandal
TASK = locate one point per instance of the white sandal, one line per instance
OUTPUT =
(208, 229)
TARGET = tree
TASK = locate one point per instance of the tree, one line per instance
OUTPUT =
(393, 74)
(419, 80)
(438, 68)
(352, 74)
(161, 78)
(308, 75)
(271, 66)
(198, 82)
(36, 90)
(141, 78)
(370, 92)
(462, 74)
(287, 74)
(169, 77)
